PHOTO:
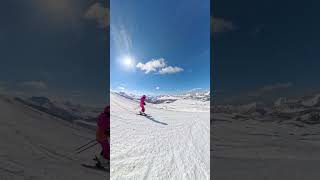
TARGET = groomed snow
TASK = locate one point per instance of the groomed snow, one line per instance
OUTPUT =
(269, 149)
(172, 144)
(37, 146)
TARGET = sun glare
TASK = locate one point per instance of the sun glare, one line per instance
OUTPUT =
(128, 62)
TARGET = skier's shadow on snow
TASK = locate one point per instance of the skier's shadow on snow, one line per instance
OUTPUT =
(152, 119)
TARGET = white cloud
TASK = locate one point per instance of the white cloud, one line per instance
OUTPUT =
(121, 88)
(151, 66)
(170, 70)
(98, 13)
(157, 88)
(40, 85)
(158, 66)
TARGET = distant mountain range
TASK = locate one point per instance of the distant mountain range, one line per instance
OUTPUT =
(298, 109)
(64, 110)
(195, 95)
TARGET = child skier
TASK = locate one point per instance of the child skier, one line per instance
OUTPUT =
(142, 104)
(103, 135)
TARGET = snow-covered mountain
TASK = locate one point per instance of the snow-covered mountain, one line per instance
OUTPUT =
(149, 99)
(64, 110)
(303, 109)
(194, 101)
(312, 101)
(203, 95)
(254, 107)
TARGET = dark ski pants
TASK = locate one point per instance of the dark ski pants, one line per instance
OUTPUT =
(142, 108)
(105, 149)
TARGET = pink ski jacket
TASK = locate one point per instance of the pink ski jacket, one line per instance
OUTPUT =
(142, 103)
(103, 125)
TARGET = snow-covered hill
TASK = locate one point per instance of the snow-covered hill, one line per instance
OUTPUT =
(36, 145)
(171, 144)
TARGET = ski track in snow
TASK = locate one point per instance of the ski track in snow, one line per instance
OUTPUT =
(36, 146)
(169, 145)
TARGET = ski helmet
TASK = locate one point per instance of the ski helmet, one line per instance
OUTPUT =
(144, 96)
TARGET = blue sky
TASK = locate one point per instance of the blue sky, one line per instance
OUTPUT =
(265, 48)
(170, 40)
(56, 48)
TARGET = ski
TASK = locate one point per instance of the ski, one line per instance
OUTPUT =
(95, 167)
(147, 115)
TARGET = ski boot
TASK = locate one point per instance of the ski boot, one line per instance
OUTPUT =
(142, 113)
(102, 162)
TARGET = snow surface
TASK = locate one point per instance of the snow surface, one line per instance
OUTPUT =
(282, 142)
(258, 150)
(171, 144)
(38, 146)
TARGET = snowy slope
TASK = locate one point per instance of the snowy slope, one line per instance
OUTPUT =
(35, 145)
(259, 150)
(169, 145)
(281, 143)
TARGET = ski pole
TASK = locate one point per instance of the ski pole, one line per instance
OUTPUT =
(87, 148)
(85, 144)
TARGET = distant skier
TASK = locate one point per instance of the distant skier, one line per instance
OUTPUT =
(103, 135)
(142, 104)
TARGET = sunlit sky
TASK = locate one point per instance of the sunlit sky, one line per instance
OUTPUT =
(55, 48)
(266, 48)
(159, 46)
